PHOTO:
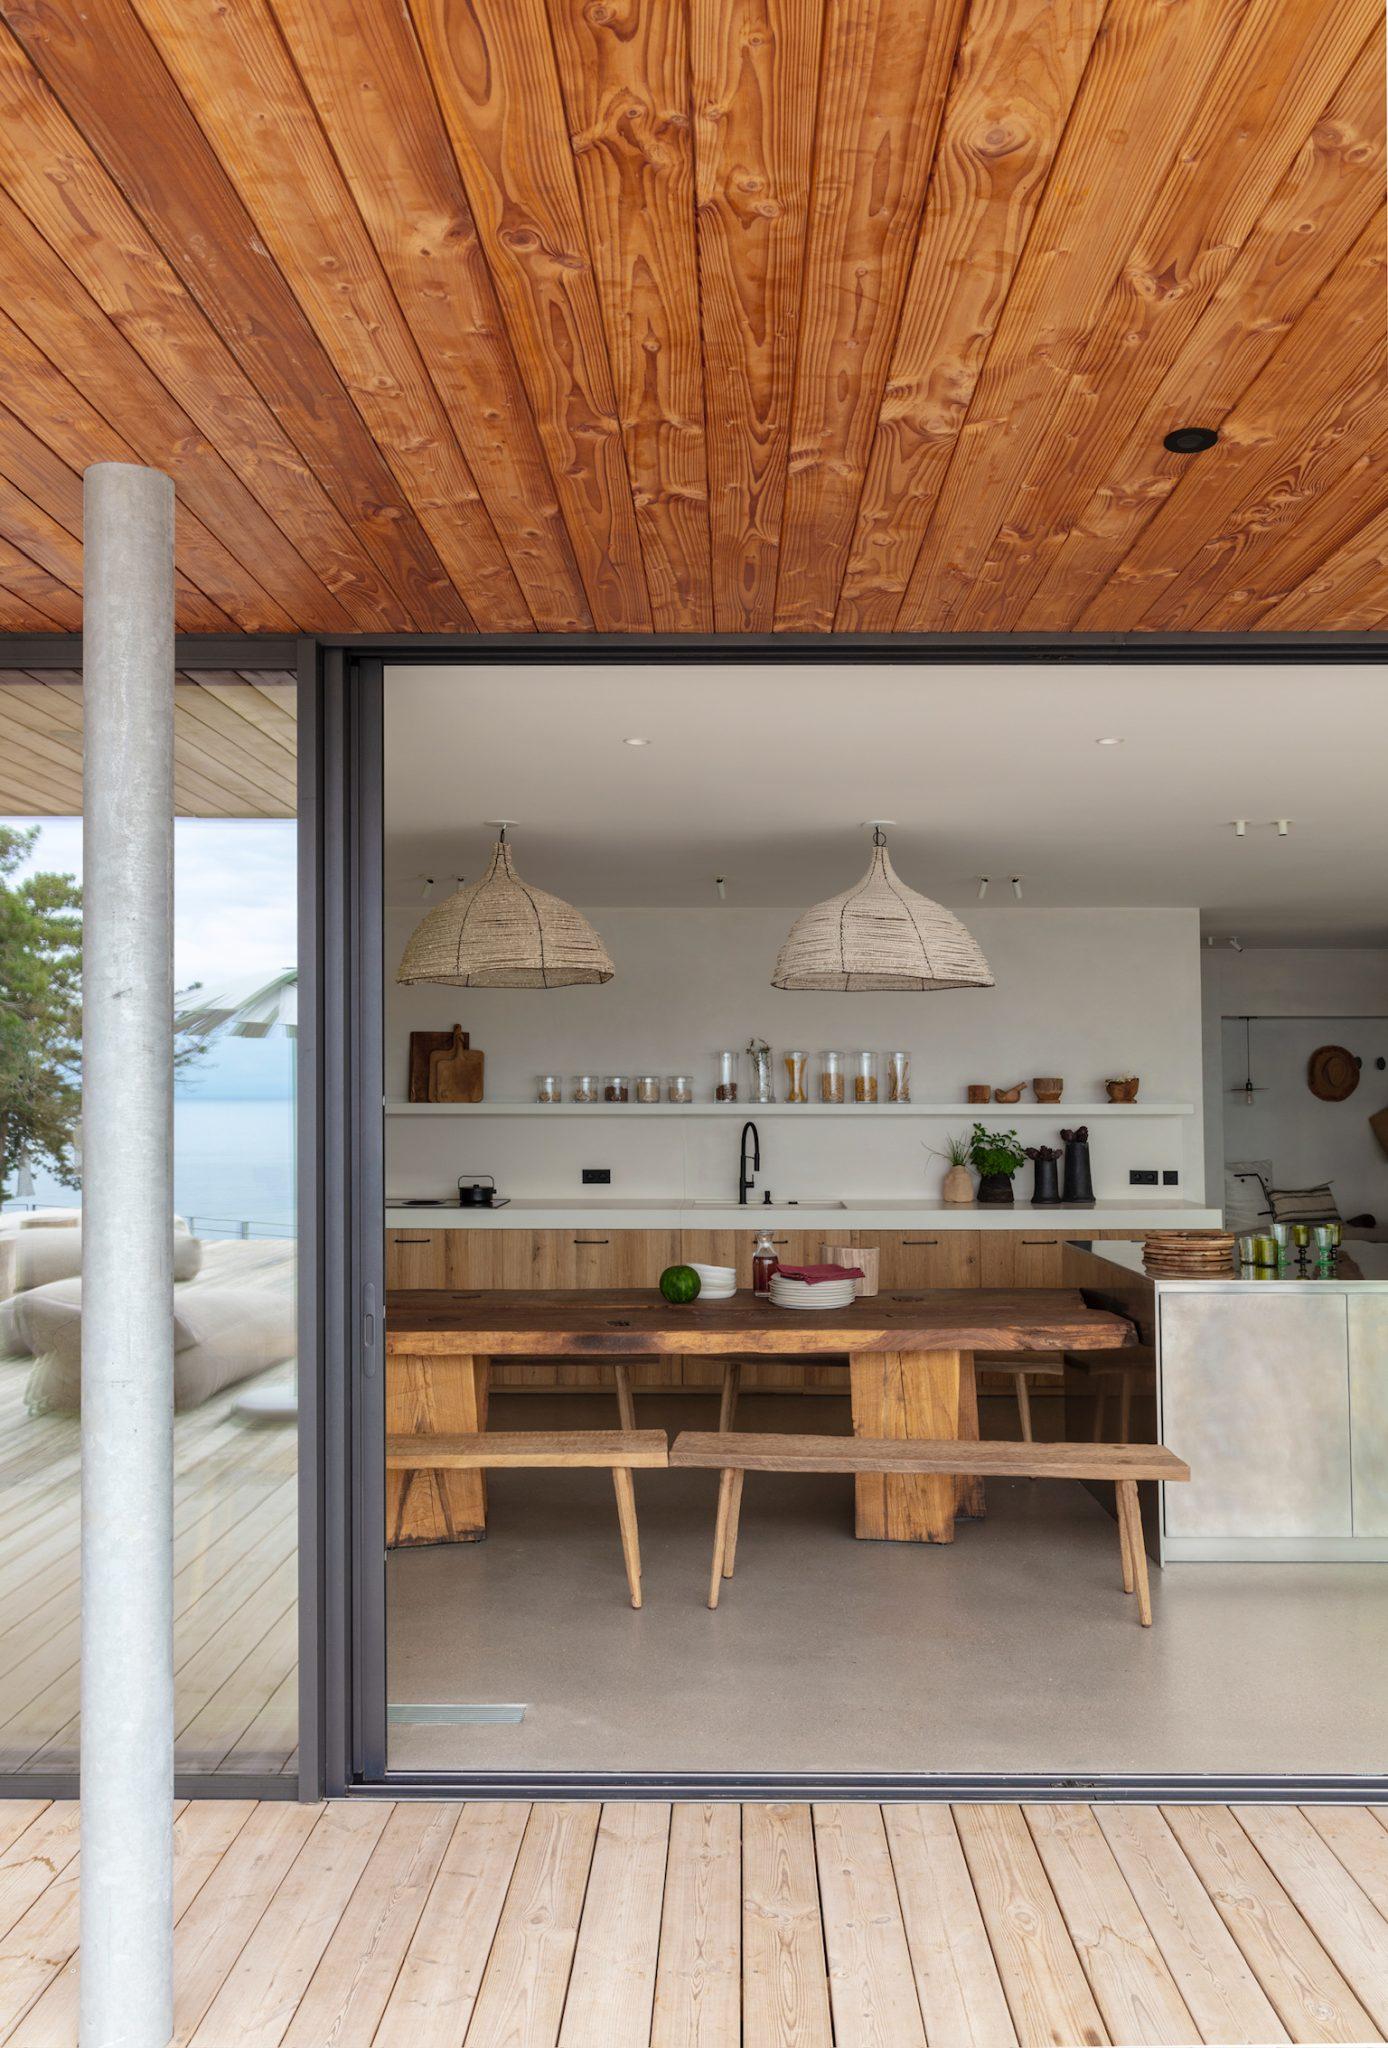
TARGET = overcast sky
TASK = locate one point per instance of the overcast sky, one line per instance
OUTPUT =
(235, 921)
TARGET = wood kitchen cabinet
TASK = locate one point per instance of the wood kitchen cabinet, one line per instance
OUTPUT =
(923, 1258)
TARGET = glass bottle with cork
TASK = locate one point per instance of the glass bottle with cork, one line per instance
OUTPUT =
(764, 1263)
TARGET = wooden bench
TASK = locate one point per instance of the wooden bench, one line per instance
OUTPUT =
(1124, 1464)
(619, 1451)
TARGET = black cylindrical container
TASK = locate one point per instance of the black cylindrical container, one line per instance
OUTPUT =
(1079, 1182)
(1045, 1192)
(995, 1187)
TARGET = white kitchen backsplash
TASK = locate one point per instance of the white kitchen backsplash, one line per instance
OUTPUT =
(1080, 993)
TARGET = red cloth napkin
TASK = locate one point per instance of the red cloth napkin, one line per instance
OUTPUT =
(813, 1274)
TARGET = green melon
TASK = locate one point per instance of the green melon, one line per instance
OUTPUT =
(680, 1283)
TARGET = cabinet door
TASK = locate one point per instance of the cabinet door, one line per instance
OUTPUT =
(1022, 1258)
(916, 1259)
(417, 1258)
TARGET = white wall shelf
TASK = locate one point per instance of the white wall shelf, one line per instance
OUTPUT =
(980, 1112)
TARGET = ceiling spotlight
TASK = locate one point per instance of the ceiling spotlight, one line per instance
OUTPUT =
(1237, 945)
(1017, 887)
(1284, 826)
(1108, 743)
(720, 884)
(1240, 826)
(983, 882)
(428, 889)
(1190, 440)
(636, 741)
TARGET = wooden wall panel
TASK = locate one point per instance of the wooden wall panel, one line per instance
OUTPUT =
(1019, 66)
(755, 76)
(885, 67)
(362, 67)
(493, 69)
(624, 69)
(679, 315)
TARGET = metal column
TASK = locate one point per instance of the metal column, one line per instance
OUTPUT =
(127, 1253)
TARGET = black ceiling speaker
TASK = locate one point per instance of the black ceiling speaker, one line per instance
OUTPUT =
(1190, 440)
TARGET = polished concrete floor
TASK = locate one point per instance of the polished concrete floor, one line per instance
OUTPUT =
(1011, 1650)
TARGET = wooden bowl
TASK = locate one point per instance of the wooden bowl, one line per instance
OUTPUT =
(980, 1092)
(1122, 1091)
(1048, 1088)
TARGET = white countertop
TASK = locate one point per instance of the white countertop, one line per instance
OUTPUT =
(1364, 1266)
(881, 1213)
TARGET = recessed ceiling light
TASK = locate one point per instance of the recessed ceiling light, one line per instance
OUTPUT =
(1108, 743)
(635, 741)
(1190, 440)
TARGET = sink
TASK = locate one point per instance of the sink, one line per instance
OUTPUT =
(779, 1202)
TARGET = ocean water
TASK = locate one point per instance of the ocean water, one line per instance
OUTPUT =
(233, 1166)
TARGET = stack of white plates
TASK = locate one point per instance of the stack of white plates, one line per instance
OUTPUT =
(716, 1283)
(801, 1294)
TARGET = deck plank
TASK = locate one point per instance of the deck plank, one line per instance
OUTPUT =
(872, 1989)
(784, 1994)
(527, 1975)
(698, 1979)
(433, 1998)
(1046, 1987)
(1360, 1842)
(1220, 1990)
(612, 1983)
(961, 1996)
(1312, 1999)
(227, 1910)
(1127, 1973)
(1333, 1904)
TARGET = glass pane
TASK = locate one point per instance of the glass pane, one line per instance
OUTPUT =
(235, 1438)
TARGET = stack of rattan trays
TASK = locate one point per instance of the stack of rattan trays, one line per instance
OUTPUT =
(1189, 1254)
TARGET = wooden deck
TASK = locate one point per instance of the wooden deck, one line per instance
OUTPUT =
(235, 1565)
(373, 1925)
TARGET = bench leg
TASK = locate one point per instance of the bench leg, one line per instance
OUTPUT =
(1130, 1516)
(732, 1382)
(734, 1517)
(626, 1521)
(1125, 1408)
(1100, 1402)
(1023, 1405)
(968, 1493)
(626, 1407)
(720, 1532)
(1125, 1552)
(435, 1396)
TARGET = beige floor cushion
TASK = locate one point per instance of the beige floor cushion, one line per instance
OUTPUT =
(33, 1258)
(221, 1335)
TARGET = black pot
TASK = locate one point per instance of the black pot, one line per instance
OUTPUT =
(477, 1194)
(1045, 1192)
(996, 1188)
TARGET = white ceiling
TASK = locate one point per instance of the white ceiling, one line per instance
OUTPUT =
(763, 774)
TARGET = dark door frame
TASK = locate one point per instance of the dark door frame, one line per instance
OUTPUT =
(341, 1190)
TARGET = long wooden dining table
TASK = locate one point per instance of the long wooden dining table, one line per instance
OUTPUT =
(910, 1360)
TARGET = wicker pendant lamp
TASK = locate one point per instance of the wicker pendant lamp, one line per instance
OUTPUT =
(501, 933)
(880, 935)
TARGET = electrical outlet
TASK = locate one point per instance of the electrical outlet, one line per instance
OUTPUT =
(1170, 1178)
(597, 1176)
(1142, 1177)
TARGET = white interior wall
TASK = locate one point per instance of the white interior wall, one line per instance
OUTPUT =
(1080, 993)
(1332, 985)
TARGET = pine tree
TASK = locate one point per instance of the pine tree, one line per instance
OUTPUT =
(40, 1013)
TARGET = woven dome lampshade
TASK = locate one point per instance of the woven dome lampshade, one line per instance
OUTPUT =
(880, 935)
(501, 933)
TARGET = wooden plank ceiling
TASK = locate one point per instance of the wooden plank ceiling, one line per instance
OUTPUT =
(696, 315)
(235, 744)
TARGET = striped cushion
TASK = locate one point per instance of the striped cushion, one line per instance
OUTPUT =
(1304, 1205)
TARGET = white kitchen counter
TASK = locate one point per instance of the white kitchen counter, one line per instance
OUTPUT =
(885, 1213)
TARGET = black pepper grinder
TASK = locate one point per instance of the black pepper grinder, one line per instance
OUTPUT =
(1079, 1182)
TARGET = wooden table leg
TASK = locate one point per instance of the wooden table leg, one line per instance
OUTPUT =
(435, 1396)
(906, 1393)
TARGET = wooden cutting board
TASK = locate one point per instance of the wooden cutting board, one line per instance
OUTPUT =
(423, 1046)
(455, 1070)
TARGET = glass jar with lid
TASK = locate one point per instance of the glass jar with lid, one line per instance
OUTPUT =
(648, 1087)
(797, 1076)
(831, 1077)
(586, 1088)
(898, 1077)
(616, 1088)
(680, 1088)
(549, 1088)
(725, 1090)
(865, 1077)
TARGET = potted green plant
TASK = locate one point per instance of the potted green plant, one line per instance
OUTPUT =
(956, 1186)
(995, 1156)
